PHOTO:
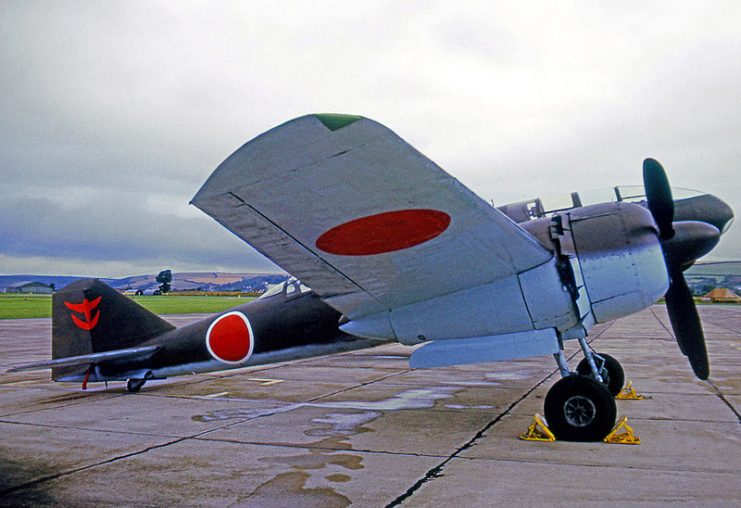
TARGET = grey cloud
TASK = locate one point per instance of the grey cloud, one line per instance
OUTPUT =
(95, 232)
(119, 105)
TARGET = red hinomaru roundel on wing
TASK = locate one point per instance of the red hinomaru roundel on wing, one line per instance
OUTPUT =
(384, 232)
(229, 339)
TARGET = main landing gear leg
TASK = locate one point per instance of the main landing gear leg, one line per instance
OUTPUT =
(563, 365)
(594, 370)
(577, 407)
(613, 377)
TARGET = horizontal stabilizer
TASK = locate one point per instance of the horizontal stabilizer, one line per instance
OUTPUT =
(442, 353)
(92, 358)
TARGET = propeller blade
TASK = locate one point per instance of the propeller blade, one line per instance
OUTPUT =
(659, 197)
(691, 241)
(686, 323)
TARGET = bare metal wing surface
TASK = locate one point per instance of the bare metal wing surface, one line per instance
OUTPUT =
(362, 217)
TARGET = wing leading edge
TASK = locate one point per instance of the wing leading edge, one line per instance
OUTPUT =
(362, 217)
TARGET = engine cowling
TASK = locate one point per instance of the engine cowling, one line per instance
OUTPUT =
(619, 256)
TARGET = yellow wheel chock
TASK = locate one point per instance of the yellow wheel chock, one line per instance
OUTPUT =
(627, 436)
(621, 434)
(538, 431)
(629, 393)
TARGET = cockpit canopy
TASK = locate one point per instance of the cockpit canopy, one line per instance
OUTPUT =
(291, 287)
(531, 209)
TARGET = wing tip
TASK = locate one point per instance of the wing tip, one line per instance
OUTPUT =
(336, 121)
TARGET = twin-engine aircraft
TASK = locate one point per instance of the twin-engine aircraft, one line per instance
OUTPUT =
(396, 249)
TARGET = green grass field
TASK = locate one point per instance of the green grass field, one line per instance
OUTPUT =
(39, 306)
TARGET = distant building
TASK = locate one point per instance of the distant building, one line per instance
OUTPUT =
(722, 295)
(31, 288)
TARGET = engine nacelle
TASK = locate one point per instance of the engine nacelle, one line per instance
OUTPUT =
(620, 257)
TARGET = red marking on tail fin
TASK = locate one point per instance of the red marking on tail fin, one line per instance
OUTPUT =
(86, 325)
(85, 308)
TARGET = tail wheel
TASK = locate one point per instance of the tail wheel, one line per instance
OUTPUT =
(134, 385)
(612, 373)
(578, 408)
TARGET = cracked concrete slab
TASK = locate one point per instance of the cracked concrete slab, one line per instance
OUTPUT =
(253, 386)
(505, 483)
(449, 394)
(363, 428)
(40, 395)
(668, 445)
(213, 473)
(134, 413)
(31, 452)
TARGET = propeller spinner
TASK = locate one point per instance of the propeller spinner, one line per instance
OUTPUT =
(682, 243)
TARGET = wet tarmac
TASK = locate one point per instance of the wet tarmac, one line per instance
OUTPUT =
(362, 428)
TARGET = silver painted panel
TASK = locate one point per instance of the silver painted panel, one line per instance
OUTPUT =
(620, 258)
(485, 310)
(582, 302)
(548, 300)
(485, 349)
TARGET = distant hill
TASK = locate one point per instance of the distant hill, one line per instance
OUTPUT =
(721, 269)
(59, 281)
(181, 281)
(704, 277)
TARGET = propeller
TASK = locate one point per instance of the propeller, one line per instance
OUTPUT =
(659, 197)
(682, 243)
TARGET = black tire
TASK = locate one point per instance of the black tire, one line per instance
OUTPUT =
(578, 408)
(612, 373)
(134, 385)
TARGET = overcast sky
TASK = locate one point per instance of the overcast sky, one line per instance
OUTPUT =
(112, 114)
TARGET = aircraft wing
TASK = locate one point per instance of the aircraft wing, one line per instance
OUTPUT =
(70, 361)
(358, 214)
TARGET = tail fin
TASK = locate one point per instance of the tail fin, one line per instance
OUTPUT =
(89, 316)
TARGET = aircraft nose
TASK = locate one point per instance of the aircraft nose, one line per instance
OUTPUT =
(706, 208)
(691, 241)
(722, 214)
(725, 216)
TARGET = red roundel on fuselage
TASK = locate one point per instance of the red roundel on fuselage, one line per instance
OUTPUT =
(384, 232)
(229, 338)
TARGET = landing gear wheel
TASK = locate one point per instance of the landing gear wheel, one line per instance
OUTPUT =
(134, 385)
(612, 373)
(579, 408)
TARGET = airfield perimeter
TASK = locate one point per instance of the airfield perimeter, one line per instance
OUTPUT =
(363, 428)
